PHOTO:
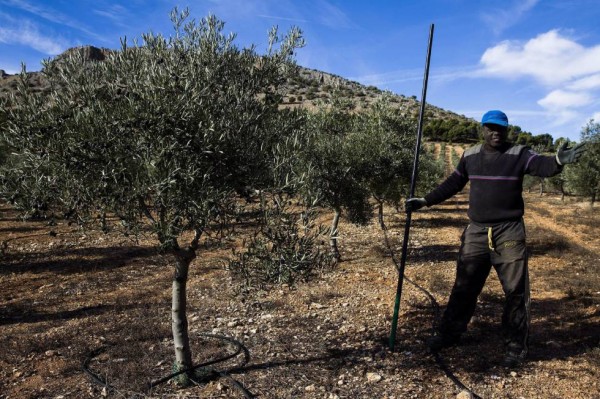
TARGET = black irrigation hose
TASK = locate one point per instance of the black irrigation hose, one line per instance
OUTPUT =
(240, 348)
(247, 394)
(95, 377)
(440, 361)
(436, 307)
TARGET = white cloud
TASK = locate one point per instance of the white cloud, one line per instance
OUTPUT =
(502, 19)
(115, 13)
(319, 12)
(332, 16)
(232, 10)
(567, 70)
(442, 74)
(549, 58)
(51, 15)
(28, 34)
(558, 99)
(41, 12)
(380, 79)
(564, 107)
(591, 82)
(282, 18)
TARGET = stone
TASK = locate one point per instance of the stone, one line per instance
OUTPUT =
(464, 395)
(309, 388)
(374, 377)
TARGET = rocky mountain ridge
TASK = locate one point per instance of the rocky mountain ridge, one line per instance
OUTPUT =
(302, 90)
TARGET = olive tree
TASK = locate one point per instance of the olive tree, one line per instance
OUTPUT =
(559, 181)
(3, 118)
(382, 145)
(354, 155)
(288, 245)
(583, 178)
(540, 149)
(329, 166)
(162, 133)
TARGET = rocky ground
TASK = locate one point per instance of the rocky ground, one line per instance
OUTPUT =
(65, 293)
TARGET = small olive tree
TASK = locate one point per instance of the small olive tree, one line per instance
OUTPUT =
(162, 134)
(583, 178)
(559, 182)
(328, 164)
(3, 119)
(382, 145)
(288, 245)
(354, 155)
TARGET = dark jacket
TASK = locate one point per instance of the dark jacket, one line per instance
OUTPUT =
(496, 181)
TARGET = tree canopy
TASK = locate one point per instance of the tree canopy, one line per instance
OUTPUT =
(583, 178)
(162, 134)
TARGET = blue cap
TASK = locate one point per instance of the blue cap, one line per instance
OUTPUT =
(496, 117)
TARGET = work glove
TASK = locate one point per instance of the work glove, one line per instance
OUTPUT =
(414, 204)
(566, 155)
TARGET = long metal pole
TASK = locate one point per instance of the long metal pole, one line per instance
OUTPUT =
(413, 183)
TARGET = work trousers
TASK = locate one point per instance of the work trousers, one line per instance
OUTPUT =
(501, 245)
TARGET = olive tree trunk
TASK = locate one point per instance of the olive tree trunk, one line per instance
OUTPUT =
(333, 235)
(179, 326)
(380, 213)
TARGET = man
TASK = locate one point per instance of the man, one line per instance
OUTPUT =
(495, 235)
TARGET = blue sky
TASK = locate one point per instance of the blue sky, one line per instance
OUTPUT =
(537, 60)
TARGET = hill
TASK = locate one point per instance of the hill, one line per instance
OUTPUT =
(302, 90)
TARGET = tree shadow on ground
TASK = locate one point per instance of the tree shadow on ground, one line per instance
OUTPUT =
(554, 335)
(434, 210)
(548, 243)
(559, 334)
(427, 221)
(15, 314)
(74, 260)
(23, 312)
(21, 229)
(437, 222)
(434, 253)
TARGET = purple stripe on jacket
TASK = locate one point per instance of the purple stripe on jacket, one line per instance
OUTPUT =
(479, 177)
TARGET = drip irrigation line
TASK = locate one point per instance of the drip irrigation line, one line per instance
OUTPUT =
(213, 373)
(428, 294)
(436, 308)
(440, 361)
(247, 394)
(240, 348)
(95, 377)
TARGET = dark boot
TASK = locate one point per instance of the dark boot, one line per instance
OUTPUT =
(514, 357)
(438, 342)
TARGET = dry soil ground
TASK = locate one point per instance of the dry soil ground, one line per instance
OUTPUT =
(65, 293)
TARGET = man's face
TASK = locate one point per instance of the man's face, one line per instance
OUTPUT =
(494, 135)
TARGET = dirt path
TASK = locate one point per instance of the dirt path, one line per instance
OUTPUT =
(556, 216)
